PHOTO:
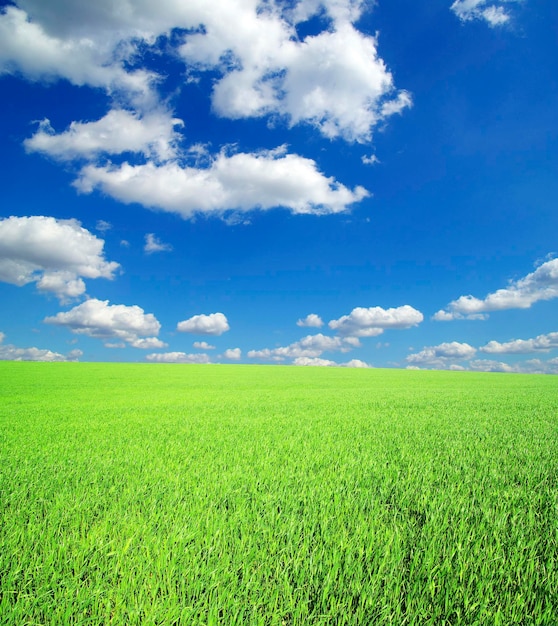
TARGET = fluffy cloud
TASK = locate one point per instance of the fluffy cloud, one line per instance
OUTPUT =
(333, 80)
(203, 345)
(152, 135)
(153, 244)
(212, 324)
(542, 343)
(442, 356)
(317, 362)
(362, 322)
(27, 48)
(55, 254)
(98, 318)
(233, 354)
(178, 357)
(492, 11)
(12, 353)
(310, 346)
(542, 284)
(310, 321)
(242, 182)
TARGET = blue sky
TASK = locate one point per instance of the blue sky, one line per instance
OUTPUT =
(313, 182)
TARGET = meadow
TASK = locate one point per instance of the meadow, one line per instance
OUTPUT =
(266, 495)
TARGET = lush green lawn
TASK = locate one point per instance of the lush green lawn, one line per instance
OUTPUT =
(186, 494)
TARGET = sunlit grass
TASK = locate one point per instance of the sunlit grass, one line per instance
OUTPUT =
(185, 494)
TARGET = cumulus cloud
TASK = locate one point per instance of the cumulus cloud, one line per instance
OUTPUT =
(212, 324)
(309, 346)
(119, 131)
(317, 362)
(178, 357)
(310, 321)
(55, 254)
(370, 322)
(494, 12)
(99, 319)
(242, 181)
(9, 352)
(542, 284)
(542, 343)
(153, 244)
(203, 345)
(442, 356)
(233, 354)
(27, 48)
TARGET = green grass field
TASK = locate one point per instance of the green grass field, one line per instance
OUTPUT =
(215, 494)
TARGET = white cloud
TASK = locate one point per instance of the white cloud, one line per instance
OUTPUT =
(309, 346)
(542, 284)
(99, 319)
(313, 362)
(334, 80)
(542, 343)
(492, 11)
(442, 356)
(9, 352)
(311, 321)
(212, 324)
(55, 254)
(485, 365)
(370, 160)
(153, 244)
(317, 362)
(242, 182)
(27, 48)
(178, 357)
(203, 345)
(370, 322)
(119, 131)
(102, 226)
(232, 354)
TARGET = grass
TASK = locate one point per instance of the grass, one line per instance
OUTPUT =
(184, 494)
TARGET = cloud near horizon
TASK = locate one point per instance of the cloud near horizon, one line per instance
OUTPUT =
(101, 320)
(542, 284)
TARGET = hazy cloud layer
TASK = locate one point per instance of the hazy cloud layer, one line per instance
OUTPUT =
(542, 343)
(154, 244)
(99, 319)
(542, 284)
(442, 356)
(9, 352)
(178, 357)
(55, 254)
(309, 346)
(494, 12)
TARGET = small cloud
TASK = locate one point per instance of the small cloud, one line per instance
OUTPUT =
(370, 160)
(178, 357)
(212, 324)
(311, 321)
(153, 244)
(103, 226)
(232, 354)
(203, 345)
